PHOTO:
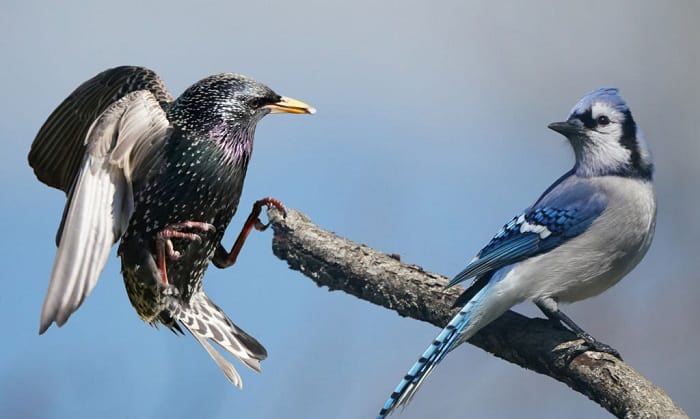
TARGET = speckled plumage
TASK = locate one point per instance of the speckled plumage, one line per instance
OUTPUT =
(134, 164)
(198, 175)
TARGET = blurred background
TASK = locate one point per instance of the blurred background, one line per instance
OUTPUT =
(430, 134)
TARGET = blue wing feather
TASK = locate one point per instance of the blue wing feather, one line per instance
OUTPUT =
(553, 220)
(564, 211)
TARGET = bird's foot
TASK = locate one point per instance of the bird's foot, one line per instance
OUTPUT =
(175, 231)
(257, 209)
(590, 344)
(164, 244)
(223, 259)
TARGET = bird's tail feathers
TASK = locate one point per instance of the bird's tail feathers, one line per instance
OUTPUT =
(206, 321)
(477, 313)
(228, 369)
(432, 356)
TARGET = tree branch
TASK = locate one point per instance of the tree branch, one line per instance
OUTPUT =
(535, 344)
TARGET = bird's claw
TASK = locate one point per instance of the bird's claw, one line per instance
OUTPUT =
(260, 226)
(223, 259)
(272, 202)
(604, 348)
(266, 202)
(164, 243)
(170, 252)
(589, 344)
(193, 225)
(168, 248)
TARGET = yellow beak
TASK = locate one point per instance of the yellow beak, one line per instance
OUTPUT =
(289, 105)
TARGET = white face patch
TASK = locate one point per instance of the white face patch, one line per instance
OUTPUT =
(601, 150)
(604, 151)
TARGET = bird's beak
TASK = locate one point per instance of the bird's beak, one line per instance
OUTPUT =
(289, 105)
(565, 128)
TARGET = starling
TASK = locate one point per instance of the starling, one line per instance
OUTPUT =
(164, 178)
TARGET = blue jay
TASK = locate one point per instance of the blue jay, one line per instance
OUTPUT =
(586, 231)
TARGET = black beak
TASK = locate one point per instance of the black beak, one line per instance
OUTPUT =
(565, 128)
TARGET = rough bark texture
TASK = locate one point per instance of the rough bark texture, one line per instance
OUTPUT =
(535, 344)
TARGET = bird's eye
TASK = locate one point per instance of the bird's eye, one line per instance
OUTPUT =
(603, 120)
(256, 103)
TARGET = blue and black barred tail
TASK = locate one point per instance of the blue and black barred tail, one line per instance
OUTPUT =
(422, 368)
(481, 310)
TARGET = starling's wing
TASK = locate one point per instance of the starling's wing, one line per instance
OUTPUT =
(59, 147)
(100, 201)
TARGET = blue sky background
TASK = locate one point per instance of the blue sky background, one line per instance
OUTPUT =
(430, 134)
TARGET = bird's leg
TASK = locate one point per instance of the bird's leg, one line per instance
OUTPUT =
(551, 309)
(224, 259)
(164, 244)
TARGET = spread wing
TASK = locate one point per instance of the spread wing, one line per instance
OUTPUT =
(100, 200)
(59, 148)
(541, 228)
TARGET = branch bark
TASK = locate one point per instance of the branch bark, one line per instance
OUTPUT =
(535, 344)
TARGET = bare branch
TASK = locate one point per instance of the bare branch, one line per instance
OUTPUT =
(535, 344)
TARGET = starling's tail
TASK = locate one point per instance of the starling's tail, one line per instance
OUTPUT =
(482, 309)
(207, 321)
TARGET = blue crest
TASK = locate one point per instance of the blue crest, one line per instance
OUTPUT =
(608, 95)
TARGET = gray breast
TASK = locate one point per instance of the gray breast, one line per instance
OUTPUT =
(594, 261)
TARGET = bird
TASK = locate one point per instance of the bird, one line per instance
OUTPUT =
(163, 177)
(589, 229)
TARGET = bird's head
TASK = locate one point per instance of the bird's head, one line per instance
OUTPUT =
(605, 138)
(230, 100)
